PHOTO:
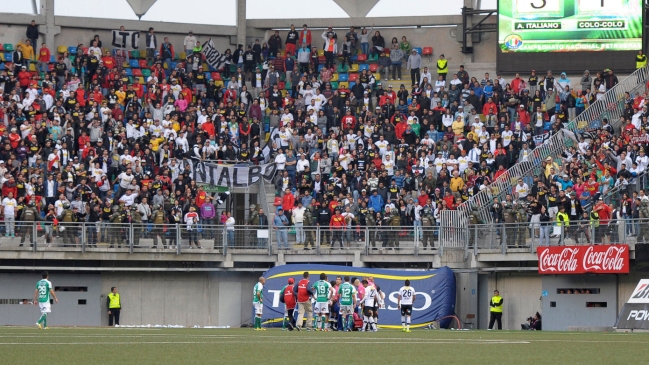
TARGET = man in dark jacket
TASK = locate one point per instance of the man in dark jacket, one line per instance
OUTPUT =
(32, 32)
(323, 217)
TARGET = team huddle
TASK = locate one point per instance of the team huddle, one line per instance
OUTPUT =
(352, 304)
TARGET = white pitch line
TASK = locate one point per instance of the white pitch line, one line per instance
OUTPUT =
(242, 342)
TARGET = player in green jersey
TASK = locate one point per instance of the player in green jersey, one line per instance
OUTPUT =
(258, 302)
(323, 292)
(44, 290)
(347, 299)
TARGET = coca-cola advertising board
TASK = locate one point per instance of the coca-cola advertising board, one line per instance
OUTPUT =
(601, 259)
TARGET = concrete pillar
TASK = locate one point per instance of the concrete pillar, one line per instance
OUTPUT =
(468, 58)
(241, 22)
(49, 29)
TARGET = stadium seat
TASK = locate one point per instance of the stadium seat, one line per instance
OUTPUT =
(218, 83)
(52, 59)
(135, 53)
(129, 72)
(343, 85)
(9, 57)
(32, 67)
(353, 77)
(281, 85)
(377, 76)
(351, 85)
(126, 65)
(2, 57)
(72, 50)
(374, 57)
(334, 77)
(84, 50)
(233, 67)
(208, 75)
(361, 58)
(137, 72)
(320, 67)
(8, 47)
(343, 77)
(418, 49)
(144, 89)
(50, 67)
(134, 63)
(2, 66)
(216, 76)
(143, 64)
(2, 47)
(320, 52)
(183, 55)
(428, 51)
(141, 80)
(284, 92)
(353, 67)
(342, 68)
(146, 72)
(374, 67)
(322, 60)
(173, 65)
(334, 85)
(363, 67)
(62, 49)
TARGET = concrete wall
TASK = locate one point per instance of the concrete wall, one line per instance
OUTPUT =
(521, 293)
(187, 299)
(483, 60)
(66, 312)
(73, 36)
(467, 297)
(571, 309)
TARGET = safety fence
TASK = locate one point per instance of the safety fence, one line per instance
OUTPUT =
(220, 239)
(526, 237)
(256, 240)
(610, 106)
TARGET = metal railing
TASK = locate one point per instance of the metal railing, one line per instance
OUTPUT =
(526, 237)
(611, 106)
(182, 239)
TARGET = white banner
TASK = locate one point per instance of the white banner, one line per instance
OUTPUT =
(233, 176)
(641, 293)
(212, 56)
(126, 39)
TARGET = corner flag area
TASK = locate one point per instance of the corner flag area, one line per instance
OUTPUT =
(73, 346)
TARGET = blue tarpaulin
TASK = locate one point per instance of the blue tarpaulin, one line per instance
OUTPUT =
(435, 290)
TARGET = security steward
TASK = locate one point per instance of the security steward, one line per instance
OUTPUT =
(496, 309)
(563, 221)
(442, 67)
(114, 306)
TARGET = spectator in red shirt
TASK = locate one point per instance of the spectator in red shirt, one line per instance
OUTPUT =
(43, 58)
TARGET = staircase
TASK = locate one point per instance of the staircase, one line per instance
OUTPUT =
(454, 223)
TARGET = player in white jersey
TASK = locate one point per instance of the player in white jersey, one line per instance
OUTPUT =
(44, 290)
(368, 306)
(404, 302)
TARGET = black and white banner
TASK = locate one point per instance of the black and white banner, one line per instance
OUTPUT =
(126, 39)
(233, 176)
(634, 316)
(212, 55)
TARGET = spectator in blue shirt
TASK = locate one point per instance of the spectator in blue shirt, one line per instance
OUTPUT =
(376, 201)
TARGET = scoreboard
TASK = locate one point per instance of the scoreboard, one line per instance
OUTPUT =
(569, 25)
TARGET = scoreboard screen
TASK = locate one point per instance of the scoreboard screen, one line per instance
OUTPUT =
(569, 25)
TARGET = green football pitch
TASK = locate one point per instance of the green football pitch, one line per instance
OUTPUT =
(122, 346)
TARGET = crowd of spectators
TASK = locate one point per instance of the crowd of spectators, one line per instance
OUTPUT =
(82, 129)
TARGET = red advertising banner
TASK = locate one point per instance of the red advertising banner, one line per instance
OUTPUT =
(602, 259)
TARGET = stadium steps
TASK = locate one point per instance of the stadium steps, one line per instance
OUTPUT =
(611, 106)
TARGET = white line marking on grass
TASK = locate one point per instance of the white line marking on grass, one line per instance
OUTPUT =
(247, 342)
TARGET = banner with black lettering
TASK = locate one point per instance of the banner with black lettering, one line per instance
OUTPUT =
(126, 39)
(232, 176)
(212, 56)
(434, 291)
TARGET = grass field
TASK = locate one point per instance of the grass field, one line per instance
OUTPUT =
(122, 346)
